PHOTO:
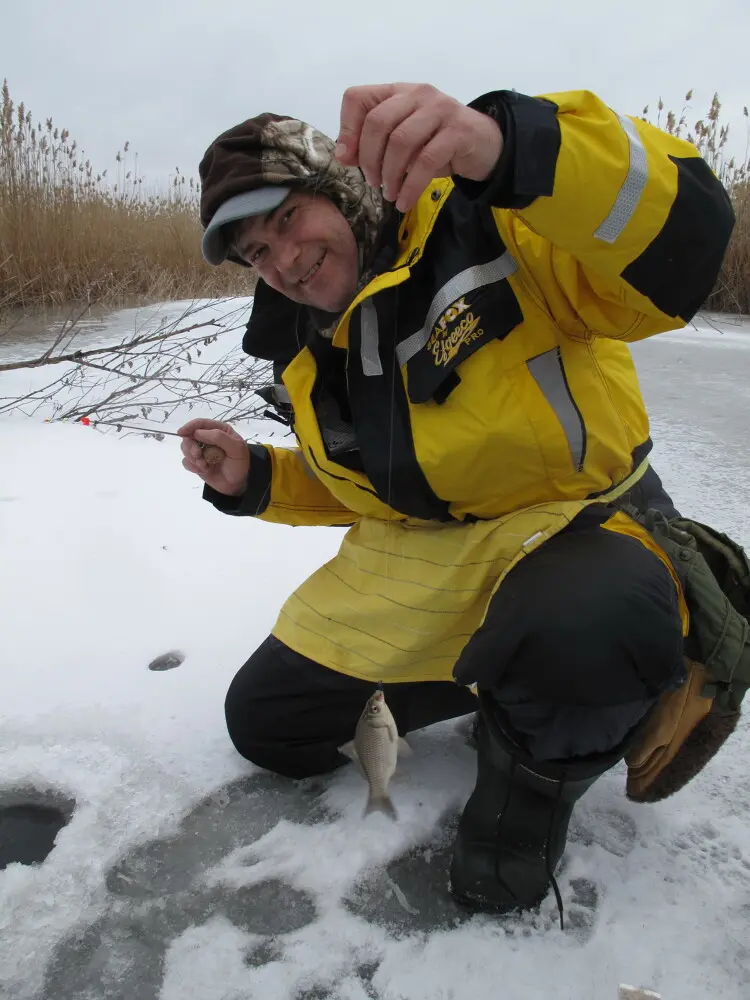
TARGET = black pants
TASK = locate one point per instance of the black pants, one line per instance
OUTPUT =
(290, 714)
(578, 643)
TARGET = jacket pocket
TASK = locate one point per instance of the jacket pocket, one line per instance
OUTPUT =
(482, 316)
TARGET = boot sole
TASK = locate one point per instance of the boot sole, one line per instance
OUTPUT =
(481, 904)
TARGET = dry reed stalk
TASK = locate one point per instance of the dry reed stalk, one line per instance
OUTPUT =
(68, 234)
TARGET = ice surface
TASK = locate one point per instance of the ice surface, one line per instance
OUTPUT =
(185, 874)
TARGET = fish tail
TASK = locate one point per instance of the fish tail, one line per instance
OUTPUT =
(381, 803)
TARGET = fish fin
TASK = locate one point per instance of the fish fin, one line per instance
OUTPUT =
(381, 803)
(404, 750)
(350, 751)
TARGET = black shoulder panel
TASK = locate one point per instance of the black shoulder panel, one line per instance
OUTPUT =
(678, 270)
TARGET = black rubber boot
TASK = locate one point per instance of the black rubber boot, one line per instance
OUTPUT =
(513, 830)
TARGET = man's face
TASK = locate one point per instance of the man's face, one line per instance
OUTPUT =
(305, 250)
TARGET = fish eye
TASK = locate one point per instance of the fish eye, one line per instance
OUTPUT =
(376, 708)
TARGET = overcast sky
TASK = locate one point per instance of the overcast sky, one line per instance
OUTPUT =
(169, 76)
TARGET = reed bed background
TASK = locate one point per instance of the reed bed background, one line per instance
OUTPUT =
(71, 234)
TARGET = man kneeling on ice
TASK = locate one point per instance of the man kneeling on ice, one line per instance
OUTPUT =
(447, 294)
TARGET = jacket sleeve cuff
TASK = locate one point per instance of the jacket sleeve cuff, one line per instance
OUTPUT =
(257, 493)
(525, 170)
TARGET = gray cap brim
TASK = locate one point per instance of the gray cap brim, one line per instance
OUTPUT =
(242, 206)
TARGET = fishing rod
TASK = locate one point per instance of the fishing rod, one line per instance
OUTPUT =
(212, 453)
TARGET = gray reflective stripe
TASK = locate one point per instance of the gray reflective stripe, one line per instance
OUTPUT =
(549, 374)
(370, 338)
(460, 284)
(630, 193)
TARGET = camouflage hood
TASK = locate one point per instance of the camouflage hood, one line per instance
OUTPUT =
(273, 149)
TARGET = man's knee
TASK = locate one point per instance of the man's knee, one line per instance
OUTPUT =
(271, 716)
(247, 720)
(254, 709)
(590, 618)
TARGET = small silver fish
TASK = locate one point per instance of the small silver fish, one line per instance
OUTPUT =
(376, 747)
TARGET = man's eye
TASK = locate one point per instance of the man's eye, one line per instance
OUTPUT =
(256, 255)
(287, 216)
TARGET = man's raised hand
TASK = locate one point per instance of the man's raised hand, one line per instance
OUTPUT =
(402, 135)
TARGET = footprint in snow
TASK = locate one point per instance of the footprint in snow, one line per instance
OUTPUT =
(362, 978)
(411, 894)
(611, 829)
(702, 846)
(156, 894)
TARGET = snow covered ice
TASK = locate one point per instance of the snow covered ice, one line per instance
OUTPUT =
(184, 873)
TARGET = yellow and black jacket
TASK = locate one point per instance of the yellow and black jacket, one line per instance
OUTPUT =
(479, 392)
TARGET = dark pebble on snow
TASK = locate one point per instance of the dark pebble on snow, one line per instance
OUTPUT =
(167, 661)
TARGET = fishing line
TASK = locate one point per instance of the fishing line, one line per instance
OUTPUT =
(394, 372)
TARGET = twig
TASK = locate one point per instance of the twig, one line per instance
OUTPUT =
(120, 424)
(78, 356)
(634, 993)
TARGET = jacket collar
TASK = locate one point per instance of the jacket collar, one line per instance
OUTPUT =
(278, 328)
